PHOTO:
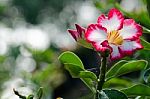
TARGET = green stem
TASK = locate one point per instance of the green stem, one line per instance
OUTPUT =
(101, 79)
(102, 73)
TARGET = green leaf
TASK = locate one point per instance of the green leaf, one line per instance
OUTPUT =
(40, 93)
(88, 74)
(112, 71)
(132, 66)
(137, 90)
(30, 96)
(71, 58)
(112, 94)
(146, 30)
(142, 97)
(146, 75)
(118, 82)
(74, 65)
(145, 44)
(74, 70)
(148, 7)
(84, 43)
(90, 84)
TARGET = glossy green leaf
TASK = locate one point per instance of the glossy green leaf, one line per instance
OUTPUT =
(112, 71)
(70, 58)
(88, 74)
(118, 82)
(146, 75)
(74, 65)
(131, 66)
(145, 44)
(84, 43)
(90, 84)
(112, 94)
(74, 70)
(137, 90)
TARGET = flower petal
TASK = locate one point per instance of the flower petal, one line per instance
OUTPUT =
(115, 52)
(74, 33)
(128, 47)
(96, 33)
(101, 46)
(113, 22)
(130, 30)
(78, 33)
(80, 30)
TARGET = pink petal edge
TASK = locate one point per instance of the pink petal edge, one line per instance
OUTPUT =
(101, 47)
(129, 22)
(119, 56)
(91, 28)
(111, 13)
(130, 52)
(120, 16)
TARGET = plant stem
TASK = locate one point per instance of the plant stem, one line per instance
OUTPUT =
(102, 73)
(101, 79)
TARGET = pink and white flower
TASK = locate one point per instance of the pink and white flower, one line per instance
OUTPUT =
(78, 33)
(121, 36)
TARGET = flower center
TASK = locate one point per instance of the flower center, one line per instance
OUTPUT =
(114, 38)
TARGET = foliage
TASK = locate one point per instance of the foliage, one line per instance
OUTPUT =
(115, 74)
(127, 78)
(120, 68)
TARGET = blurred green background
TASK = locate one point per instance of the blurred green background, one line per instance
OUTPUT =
(33, 33)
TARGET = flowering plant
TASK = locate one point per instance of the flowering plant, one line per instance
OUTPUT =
(113, 37)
